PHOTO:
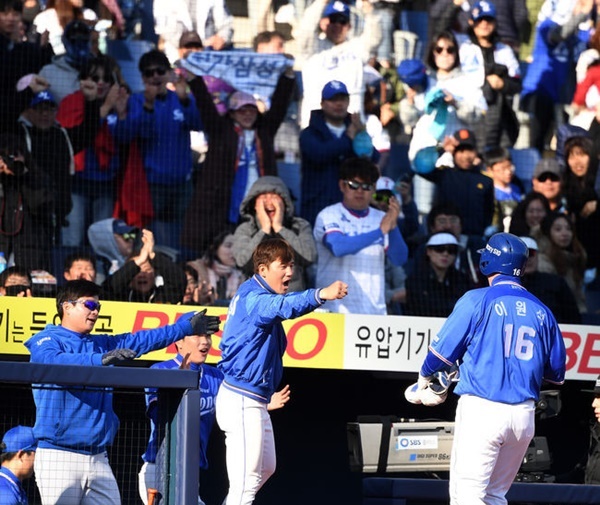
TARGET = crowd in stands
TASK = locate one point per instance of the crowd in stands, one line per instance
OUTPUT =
(385, 167)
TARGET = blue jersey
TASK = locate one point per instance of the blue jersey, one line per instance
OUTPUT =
(210, 380)
(507, 342)
(11, 490)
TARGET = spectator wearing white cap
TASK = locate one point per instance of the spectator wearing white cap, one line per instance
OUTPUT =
(17, 454)
(551, 289)
(435, 285)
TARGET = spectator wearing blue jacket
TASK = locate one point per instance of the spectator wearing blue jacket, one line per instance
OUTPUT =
(75, 426)
(252, 349)
(160, 120)
(325, 144)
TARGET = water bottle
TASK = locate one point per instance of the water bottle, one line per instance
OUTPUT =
(2, 262)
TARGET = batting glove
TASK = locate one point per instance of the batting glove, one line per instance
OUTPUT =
(424, 381)
(203, 324)
(117, 355)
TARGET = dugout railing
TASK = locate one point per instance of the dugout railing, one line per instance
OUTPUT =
(179, 416)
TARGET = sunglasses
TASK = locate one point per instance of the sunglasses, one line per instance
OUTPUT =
(151, 72)
(129, 235)
(97, 78)
(383, 196)
(450, 249)
(449, 49)
(548, 177)
(91, 305)
(365, 186)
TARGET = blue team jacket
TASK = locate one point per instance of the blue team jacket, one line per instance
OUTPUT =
(11, 490)
(77, 419)
(210, 380)
(254, 340)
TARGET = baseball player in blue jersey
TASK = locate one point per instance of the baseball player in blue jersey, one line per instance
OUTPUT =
(75, 426)
(507, 342)
(252, 348)
(192, 352)
(17, 454)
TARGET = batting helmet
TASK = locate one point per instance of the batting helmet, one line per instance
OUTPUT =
(503, 254)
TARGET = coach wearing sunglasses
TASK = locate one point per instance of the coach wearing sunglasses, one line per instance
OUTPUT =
(75, 426)
(435, 285)
(354, 238)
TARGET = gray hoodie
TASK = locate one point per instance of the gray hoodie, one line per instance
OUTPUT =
(296, 231)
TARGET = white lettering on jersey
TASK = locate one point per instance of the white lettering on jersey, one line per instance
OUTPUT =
(500, 309)
(541, 315)
(521, 307)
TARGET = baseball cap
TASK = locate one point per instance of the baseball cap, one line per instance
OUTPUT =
(190, 39)
(547, 165)
(42, 97)
(466, 138)
(240, 98)
(77, 30)
(596, 389)
(483, 9)
(530, 243)
(442, 238)
(120, 227)
(336, 7)
(20, 438)
(385, 183)
(333, 88)
(412, 71)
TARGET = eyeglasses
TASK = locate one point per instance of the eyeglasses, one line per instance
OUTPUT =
(548, 177)
(443, 221)
(450, 249)
(365, 186)
(441, 49)
(150, 72)
(91, 305)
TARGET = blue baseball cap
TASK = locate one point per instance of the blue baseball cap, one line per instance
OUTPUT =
(333, 88)
(413, 72)
(120, 227)
(42, 97)
(483, 9)
(20, 438)
(337, 7)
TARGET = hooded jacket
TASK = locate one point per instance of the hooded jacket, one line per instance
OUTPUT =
(63, 78)
(296, 231)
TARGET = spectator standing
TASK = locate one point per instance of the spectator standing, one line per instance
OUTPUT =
(243, 153)
(549, 82)
(252, 348)
(435, 285)
(93, 185)
(18, 59)
(71, 464)
(17, 454)
(354, 238)
(268, 212)
(63, 72)
(496, 69)
(551, 289)
(325, 144)
(160, 121)
(561, 253)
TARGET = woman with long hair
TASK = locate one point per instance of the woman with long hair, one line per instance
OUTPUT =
(528, 215)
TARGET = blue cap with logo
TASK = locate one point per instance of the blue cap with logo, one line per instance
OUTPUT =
(412, 71)
(337, 7)
(333, 88)
(42, 97)
(483, 9)
(19, 438)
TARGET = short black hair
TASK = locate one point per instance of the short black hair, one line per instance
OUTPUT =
(446, 209)
(266, 37)
(154, 57)
(78, 256)
(359, 167)
(11, 5)
(73, 290)
(496, 155)
(14, 270)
